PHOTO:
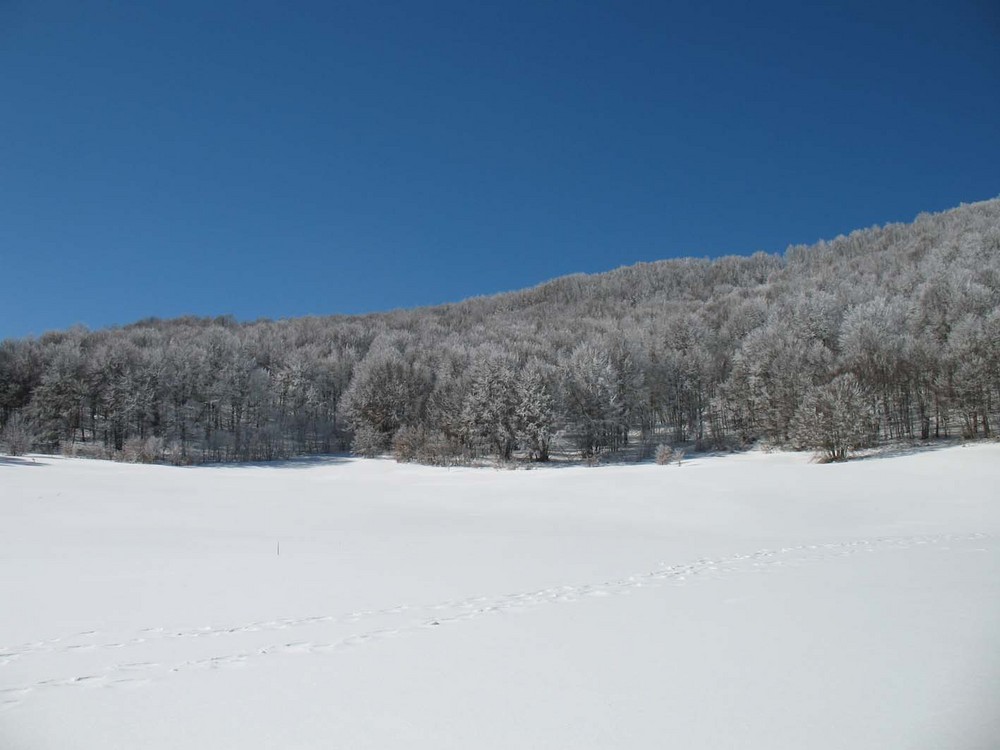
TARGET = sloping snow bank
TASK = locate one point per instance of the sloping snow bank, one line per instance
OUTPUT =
(752, 601)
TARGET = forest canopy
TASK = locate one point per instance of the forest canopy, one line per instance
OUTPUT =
(888, 333)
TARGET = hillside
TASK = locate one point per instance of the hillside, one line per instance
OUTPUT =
(890, 332)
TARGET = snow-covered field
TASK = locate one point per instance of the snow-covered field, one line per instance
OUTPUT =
(748, 601)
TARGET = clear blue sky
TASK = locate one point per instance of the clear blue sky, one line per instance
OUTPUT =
(280, 159)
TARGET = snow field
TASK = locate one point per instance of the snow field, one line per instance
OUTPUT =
(753, 600)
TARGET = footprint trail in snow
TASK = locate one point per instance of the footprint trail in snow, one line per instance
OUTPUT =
(136, 672)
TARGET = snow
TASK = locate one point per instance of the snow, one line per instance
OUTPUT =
(752, 601)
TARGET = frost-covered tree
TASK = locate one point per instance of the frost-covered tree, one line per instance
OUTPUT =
(832, 418)
(974, 350)
(490, 409)
(534, 412)
(60, 399)
(386, 392)
(593, 402)
(17, 435)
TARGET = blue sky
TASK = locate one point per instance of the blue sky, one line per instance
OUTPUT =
(281, 159)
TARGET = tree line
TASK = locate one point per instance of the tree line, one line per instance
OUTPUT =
(887, 333)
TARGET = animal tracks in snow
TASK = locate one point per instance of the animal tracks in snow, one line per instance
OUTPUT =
(237, 646)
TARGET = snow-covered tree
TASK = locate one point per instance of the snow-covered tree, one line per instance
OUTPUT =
(534, 413)
(833, 418)
(489, 412)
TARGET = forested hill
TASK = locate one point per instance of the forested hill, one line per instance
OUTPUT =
(890, 332)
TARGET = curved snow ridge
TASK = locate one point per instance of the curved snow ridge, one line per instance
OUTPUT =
(137, 672)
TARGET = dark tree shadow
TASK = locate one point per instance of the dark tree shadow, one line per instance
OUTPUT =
(300, 462)
(907, 449)
(19, 461)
